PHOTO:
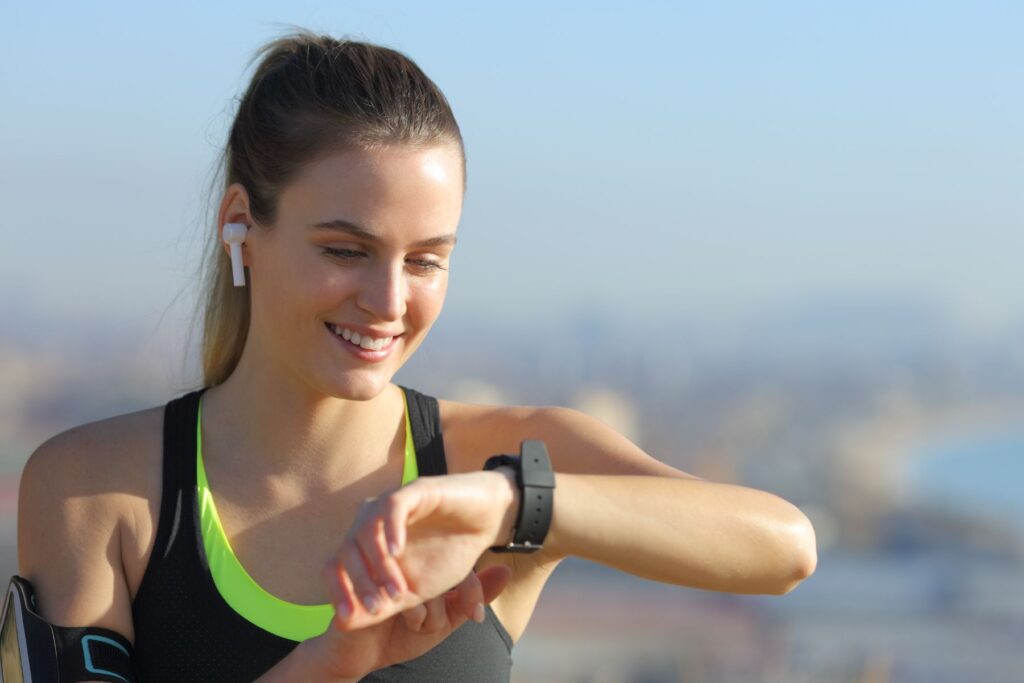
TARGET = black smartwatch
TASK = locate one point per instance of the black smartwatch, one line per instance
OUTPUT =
(536, 481)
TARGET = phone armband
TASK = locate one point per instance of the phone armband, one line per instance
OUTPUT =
(35, 651)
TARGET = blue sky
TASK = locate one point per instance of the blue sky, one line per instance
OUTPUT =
(651, 160)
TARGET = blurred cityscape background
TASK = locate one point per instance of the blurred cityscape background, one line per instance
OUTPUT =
(775, 245)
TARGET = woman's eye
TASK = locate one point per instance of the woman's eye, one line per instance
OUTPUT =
(343, 253)
(422, 265)
(426, 266)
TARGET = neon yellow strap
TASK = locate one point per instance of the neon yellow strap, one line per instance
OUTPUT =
(239, 590)
(411, 470)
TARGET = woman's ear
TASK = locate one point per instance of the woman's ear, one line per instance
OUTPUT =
(234, 208)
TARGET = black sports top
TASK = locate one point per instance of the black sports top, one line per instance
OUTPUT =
(186, 631)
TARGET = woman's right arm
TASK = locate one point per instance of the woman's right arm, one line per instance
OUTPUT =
(70, 520)
(300, 666)
(72, 512)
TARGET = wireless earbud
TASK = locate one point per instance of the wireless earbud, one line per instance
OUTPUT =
(234, 235)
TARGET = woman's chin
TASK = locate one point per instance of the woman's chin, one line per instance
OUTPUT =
(361, 387)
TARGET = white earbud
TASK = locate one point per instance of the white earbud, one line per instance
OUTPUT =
(234, 235)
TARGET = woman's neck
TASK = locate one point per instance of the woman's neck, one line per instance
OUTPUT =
(270, 427)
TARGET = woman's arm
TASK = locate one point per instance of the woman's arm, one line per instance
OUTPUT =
(69, 531)
(613, 504)
(301, 665)
(616, 505)
(343, 654)
(700, 534)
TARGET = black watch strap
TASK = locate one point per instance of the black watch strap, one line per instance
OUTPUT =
(536, 481)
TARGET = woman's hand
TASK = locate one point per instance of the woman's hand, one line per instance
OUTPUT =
(344, 653)
(440, 527)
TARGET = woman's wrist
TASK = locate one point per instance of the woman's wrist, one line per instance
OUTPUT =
(510, 499)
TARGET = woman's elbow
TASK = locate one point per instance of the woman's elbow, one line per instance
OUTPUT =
(804, 546)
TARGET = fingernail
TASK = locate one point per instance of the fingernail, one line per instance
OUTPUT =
(371, 603)
(392, 589)
(342, 610)
(393, 547)
(478, 613)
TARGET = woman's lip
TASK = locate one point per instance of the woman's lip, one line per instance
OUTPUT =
(363, 331)
(365, 354)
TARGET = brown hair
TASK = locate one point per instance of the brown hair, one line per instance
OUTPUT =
(311, 95)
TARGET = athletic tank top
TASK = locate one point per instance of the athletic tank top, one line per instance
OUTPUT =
(198, 615)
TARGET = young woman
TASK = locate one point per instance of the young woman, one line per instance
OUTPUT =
(242, 531)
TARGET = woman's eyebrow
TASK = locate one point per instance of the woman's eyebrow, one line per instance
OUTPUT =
(342, 225)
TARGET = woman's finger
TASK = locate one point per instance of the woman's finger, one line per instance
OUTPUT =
(414, 617)
(406, 506)
(437, 615)
(341, 594)
(494, 579)
(380, 565)
(366, 591)
(470, 597)
(396, 511)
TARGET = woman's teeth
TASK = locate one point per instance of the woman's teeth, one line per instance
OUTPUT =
(368, 343)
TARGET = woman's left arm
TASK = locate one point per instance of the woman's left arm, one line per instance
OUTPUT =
(616, 505)
(613, 504)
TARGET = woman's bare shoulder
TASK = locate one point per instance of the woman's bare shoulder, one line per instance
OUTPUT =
(112, 463)
(104, 452)
(474, 432)
(460, 414)
(79, 498)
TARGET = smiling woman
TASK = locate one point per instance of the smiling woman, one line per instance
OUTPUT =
(298, 516)
(381, 271)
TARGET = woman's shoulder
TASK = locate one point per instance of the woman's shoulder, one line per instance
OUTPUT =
(577, 443)
(461, 413)
(102, 446)
(473, 432)
(458, 414)
(108, 461)
(81, 497)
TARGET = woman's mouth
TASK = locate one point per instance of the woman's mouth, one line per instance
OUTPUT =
(363, 346)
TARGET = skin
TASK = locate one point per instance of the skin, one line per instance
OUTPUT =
(328, 405)
(324, 427)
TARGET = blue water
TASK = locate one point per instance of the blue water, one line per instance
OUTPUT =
(980, 472)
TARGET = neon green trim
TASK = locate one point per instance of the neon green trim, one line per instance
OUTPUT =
(245, 596)
(411, 470)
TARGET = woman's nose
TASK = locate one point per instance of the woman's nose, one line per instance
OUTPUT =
(383, 293)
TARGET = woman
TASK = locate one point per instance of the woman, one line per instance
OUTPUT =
(242, 531)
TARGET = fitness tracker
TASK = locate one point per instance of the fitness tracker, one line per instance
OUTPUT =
(536, 481)
(34, 651)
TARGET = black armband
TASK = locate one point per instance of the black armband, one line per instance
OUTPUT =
(35, 651)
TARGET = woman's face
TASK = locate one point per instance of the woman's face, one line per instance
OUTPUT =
(359, 253)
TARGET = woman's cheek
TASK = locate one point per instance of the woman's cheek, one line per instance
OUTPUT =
(429, 296)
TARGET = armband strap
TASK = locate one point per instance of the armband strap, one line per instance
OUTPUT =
(61, 653)
(92, 653)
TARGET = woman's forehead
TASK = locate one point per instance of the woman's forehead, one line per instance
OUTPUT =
(437, 163)
(377, 189)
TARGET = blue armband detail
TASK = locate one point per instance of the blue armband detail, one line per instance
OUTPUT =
(31, 649)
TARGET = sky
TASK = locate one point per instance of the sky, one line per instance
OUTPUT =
(640, 161)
